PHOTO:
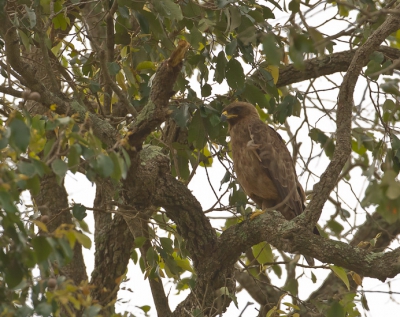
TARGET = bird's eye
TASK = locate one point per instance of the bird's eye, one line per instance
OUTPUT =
(235, 110)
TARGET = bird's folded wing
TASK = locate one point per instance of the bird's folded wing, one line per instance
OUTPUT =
(277, 163)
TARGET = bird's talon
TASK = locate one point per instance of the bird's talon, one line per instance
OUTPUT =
(256, 213)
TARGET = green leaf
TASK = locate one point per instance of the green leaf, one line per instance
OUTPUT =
(292, 286)
(20, 135)
(285, 109)
(234, 17)
(336, 310)
(167, 243)
(25, 40)
(206, 90)
(145, 308)
(364, 302)
(31, 16)
(181, 115)
(391, 87)
(79, 211)
(335, 226)
(119, 165)
(341, 273)
(294, 6)
(134, 256)
(234, 74)
(59, 167)
(139, 241)
(230, 48)
(92, 311)
(44, 309)
(42, 248)
(255, 96)
(61, 21)
(168, 8)
(195, 37)
(152, 257)
(104, 165)
(14, 276)
(273, 54)
(277, 270)
(26, 168)
(113, 68)
(7, 203)
(94, 86)
(313, 277)
(197, 133)
(74, 155)
(263, 253)
(219, 73)
(4, 136)
(276, 4)
(33, 184)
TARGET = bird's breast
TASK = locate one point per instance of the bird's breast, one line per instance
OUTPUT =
(250, 173)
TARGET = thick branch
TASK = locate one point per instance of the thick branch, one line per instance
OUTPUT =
(113, 242)
(327, 65)
(287, 236)
(156, 111)
(51, 200)
(343, 121)
(183, 208)
(368, 230)
(139, 228)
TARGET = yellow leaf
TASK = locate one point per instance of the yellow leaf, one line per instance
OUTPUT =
(271, 311)
(292, 306)
(274, 71)
(146, 65)
(121, 81)
(183, 263)
(356, 278)
(341, 273)
(40, 225)
(263, 253)
(207, 162)
(84, 240)
(75, 302)
(71, 238)
(363, 245)
(53, 107)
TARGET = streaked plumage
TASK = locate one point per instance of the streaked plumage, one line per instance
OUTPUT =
(262, 162)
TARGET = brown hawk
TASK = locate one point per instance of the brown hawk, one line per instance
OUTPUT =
(262, 162)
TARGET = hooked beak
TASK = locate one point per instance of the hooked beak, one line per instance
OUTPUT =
(225, 116)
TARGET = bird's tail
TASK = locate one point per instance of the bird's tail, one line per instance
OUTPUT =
(310, 260)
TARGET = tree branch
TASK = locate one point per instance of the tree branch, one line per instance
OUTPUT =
(156, 111)
(343, 121)
(326, 65)
(113, 242)
(288, 236)
(139, 228)
(368, 230)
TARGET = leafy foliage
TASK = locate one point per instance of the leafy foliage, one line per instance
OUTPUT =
(84, 87)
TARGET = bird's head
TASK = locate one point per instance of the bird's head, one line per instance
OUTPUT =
(238, 111)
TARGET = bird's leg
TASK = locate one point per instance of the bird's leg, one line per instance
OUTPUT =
(256, 213)
(252, 146)
(264, 208)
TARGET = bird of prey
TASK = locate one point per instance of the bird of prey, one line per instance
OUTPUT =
(262, 163)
